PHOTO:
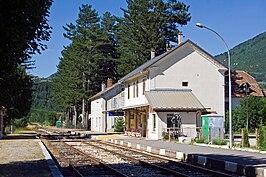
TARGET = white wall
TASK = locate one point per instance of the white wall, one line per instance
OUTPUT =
(97, 116)
(203, 78)
(141, 99)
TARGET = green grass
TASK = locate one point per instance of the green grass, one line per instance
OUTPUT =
(20, 129)
(202, 140)
(219, 141)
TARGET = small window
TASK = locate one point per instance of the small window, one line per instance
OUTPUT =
(134, 89)
(128, 91)
(137, 89)
(154, 121)
(143, 88)
(185, 84)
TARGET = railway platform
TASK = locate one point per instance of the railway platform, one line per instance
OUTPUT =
(241, 162)
(24, 155)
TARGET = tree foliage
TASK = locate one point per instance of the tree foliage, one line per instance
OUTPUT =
(24, 27)
(261, 139)
(256, 109)
(249, 56)
(119, 125)
(88, 60)
(148, 25)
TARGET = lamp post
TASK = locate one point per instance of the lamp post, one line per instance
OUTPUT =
(229, 80)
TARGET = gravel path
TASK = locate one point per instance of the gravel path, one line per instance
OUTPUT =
(22, 157)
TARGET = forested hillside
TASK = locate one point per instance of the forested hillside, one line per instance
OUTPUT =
(41, 94)
(249, 56)
(42, 109)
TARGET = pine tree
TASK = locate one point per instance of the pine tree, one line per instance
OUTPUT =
(87, 61)
(148, 24)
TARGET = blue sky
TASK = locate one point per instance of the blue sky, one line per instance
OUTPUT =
(235, 20)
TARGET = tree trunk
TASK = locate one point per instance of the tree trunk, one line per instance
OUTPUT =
(75, 117)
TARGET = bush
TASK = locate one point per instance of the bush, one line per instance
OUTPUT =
(246, 141)
(165, 135)
(119, 124)
(202, 140)
(219, 141)
(262, 144)
(23, 122)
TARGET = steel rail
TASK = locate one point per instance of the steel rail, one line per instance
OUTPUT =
(143, 163)
(181, 164)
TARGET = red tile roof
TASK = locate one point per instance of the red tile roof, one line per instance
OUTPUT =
(239, 79)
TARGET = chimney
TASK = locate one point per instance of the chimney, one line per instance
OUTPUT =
(152, 53)
(103, 86)
(180, 37)
(109, 82)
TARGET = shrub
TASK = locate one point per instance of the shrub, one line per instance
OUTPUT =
(262, 144)
(119, 124)
(202, 139)
(23, 122)
(219, 141)
(246, 141)
(165, 135)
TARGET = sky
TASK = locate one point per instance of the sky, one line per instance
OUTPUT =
(235, 20)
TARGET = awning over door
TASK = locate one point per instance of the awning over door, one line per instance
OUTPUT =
(174, 100)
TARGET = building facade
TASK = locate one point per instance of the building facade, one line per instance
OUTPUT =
(172, 90)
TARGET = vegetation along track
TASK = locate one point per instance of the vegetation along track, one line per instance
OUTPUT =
(165, 166)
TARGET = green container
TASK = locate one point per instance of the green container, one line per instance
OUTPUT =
(58, 124)
(205, 126)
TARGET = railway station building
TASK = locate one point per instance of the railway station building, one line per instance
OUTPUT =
(173, 89)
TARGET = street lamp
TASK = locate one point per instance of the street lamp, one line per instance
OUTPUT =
(229, 80)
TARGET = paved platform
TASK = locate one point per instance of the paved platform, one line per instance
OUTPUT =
(240, 162)
(25, 155)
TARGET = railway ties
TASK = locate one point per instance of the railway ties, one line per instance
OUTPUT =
(121, 164)
(73, 162)
(166, 165)
(94, 158)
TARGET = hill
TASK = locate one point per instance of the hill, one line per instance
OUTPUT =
(41, 94)
(249, 56)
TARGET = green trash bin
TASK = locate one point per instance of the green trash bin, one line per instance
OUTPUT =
(58, 124)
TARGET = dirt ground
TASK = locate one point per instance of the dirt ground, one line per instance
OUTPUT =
(21, 155)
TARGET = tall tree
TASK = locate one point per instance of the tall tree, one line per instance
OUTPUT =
(147, 25)
(23, 28)
(87, 61)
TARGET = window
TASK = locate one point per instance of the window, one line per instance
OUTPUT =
(137, 88)
(169, 122)
(143, 88)
(114, 103)
(128, 91)
(185, 84)
(134, 89)
(154, 122)
(174, 120)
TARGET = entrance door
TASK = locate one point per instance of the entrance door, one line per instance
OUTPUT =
(144, 124)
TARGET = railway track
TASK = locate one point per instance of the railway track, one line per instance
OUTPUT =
(76, 157)
(166, 166)
(73, 162)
